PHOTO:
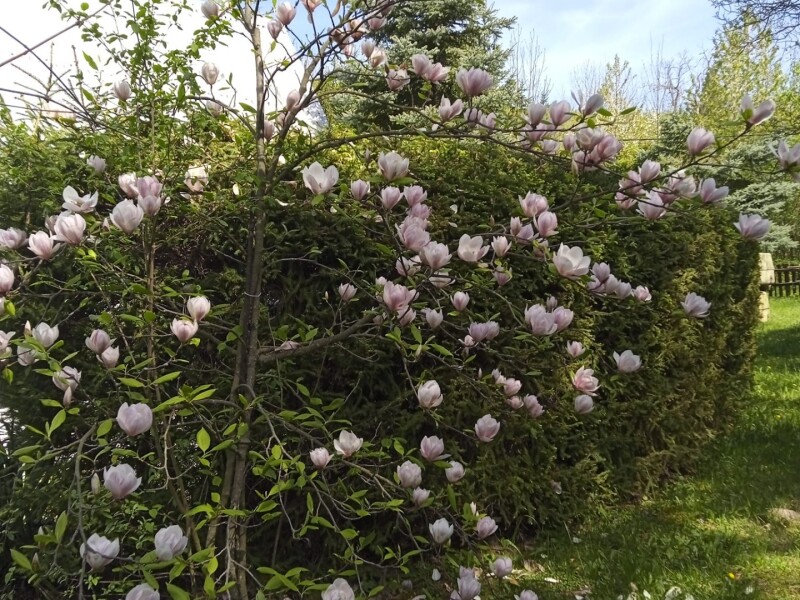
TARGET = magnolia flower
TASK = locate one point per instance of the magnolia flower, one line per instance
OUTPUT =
(377, 58)
(67, 378)
(26, 355)
(699, 139)
(468, 586)
(473, 82)
(429, 394)
(546, 223)
(98, 551)
(435, 255)
(502, 567)
(210, 73)
(96, 163)
(397, 79)
(121, 480)
(627, 362)
(127, 216)
(653, 207)
(285, 13)
(535, 409)
(347, 291)
(570, 262)
(526, 595)
(460, 300)
(696, 306)
(642, 294)
(45, 335)
(76, 203)
(575, 349)
(274, 28)
(471, 249)
(455, 472)
(448, 110)
(127, 182)
(122, 90)
(562, 317)
(320, 457)
(6, 279)
(485, 527)
(752, 227)
(510, 386)
(431, 448)
(41, 244)
(710, 193)
(760, 113)
(433, 317)
(788, 157)
(359, 189)
(170, 542)
(198, 307)
(109, 357)
(5, 338)
(134, 419)
(540, 321)
(559, 112)
(483, 331)
(390, 196)
(319, 180)
(214, 108)
(420, 496)
(584, 404)
(501, 246)
(210, 9)
(367, 48)
(148, 186)
(12, 238)
(397, 297)
(487, 428)
(69, 228)
(392, 166)
(441, 531)
(142, 592)
(585, 381)
(409, 474)
(348, 443)
(184, 329)
(414, 195)
(429, 71)
(339, 590)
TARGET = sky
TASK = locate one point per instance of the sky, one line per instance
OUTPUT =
(573, 32)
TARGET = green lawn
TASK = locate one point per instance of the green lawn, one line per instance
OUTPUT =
(712, 534)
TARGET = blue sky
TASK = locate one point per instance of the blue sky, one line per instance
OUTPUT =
(576, 31)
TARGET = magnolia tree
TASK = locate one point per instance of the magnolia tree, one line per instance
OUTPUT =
(190, 458)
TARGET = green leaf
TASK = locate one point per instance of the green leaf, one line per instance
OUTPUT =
(247, 107)
(131, 382)
(177, 593)
(167, 377)
(349, 534)
(61, 526)
(20, 559)
(58, 420)
(203, 439)
(90, 61)
(104, 427)
(278, 582)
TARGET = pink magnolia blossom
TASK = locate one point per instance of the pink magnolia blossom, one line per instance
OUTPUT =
(12, 238)
(6, 279)
(184, 329)
(70, 228)
(562, 317)
(121, 480)
(396, 296)
(570, 262)
(536, 112)
(97, 164)
(502, 567)
(397, 79)
(409, 474)
(127, 216)
(142, 592)
(109, 357)
(339, 590)
(428, 70)
(501, 246)
(484, 331)
(758, 114)
(485, 527)
(502, 275)
(347, 291)
(541, 322)
(348, 443)
(642, 294)
(429, 394)
(41, 244)
(431, 448)
(592, 105)
(623, 290)
(210, 72)
(710, 193)
(575, 349)
(406, 316)
(653, 207)
(435, 255)
(407, 267)
(526, 595)
(460, 301)
(699, 139)
(210, 9)
(546, 224)
(487, 428)
(455, 472)
(441, 531)
(319, 180)
(420, 496)
(649, 170)
(198, 307)
(5, 338)
(533, 204)
(471, 249)
(377, 58)
(320, 457)
(74, 202)
(122, 90)
(359, 189)
(534, 408)
(559, 112)
(515, 402)
(127, 182)
(627, 362)
(170, 542)
(99, 551)
(585, 381)
(67, 378)
(511, 386)
(448, 110)
(390, 196)
(285, 13)
(413, 235)
(414, 195)
(433, 317)
(45, 335)
(584, 404)
(752, 227)
(392, 166)
(788, 158)
(473, 82)
(367, 48)
(135, 418)
(468, 586)
(696, 306)
(274, 27)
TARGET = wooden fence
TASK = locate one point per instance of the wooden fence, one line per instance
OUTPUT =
(787, 274)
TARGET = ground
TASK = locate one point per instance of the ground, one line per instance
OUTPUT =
(719, 534)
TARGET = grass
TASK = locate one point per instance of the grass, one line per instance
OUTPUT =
(713, 535)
